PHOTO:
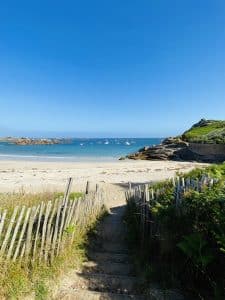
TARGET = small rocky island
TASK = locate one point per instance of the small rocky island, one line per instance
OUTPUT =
(23, 141)
(203, 142)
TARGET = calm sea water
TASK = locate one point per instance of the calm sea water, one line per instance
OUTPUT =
(107, 149)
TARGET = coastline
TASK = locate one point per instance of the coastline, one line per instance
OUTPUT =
(52, 158)
(42, 176)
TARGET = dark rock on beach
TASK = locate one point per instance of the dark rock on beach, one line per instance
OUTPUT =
(182, 151)
(169, 150)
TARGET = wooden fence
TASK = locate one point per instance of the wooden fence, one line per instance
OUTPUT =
(144, 196)
(39, 232)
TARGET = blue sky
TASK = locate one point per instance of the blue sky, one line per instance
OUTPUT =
(110, 68)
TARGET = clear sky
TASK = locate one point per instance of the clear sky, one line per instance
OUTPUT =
(110, 67)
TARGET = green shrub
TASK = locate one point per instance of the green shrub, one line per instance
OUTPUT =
(190, 240)
(214, 171)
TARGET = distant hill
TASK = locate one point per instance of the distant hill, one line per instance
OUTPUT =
(207, 132)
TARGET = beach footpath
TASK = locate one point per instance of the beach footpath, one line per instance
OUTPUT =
(57, 239)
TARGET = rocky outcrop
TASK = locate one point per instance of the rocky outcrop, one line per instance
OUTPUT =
(179, 150)
(203, 142)
(208, 152)
(30, 141)
(168, 150)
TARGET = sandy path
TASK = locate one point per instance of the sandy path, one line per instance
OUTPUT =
(109, 271)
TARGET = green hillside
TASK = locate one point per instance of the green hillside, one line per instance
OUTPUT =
(206, 131)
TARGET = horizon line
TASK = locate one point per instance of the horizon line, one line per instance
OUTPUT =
(82, 137)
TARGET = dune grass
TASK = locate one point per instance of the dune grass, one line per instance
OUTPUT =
(10, 200)
(36, 280)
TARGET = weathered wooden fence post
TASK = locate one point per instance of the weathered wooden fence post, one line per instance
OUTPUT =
(87, 188)
(65, 202)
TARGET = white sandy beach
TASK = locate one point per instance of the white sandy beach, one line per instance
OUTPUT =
(35, 176)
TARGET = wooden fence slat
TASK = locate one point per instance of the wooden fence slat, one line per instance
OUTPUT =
(56, 229)
(68, 212)
(66, 198)
(33, 214)
(38, 228)
(68, 188)
(80, 214)
(87, 188)
(22, 234)
(66, 206)
(47, 212)
(23, 250)
(70, 215)
(67, 217)
(77, 211)
(129, 186)
(48, 234)
(74, 219)
(3, 216)
(182, 182)
(16, 231)
(7, 236)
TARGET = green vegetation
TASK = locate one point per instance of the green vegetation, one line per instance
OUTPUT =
(33, 276)
(73, 195)
(187, 249)
(206, 131)
(214, 171)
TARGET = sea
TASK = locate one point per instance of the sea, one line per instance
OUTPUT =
(77, 149)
